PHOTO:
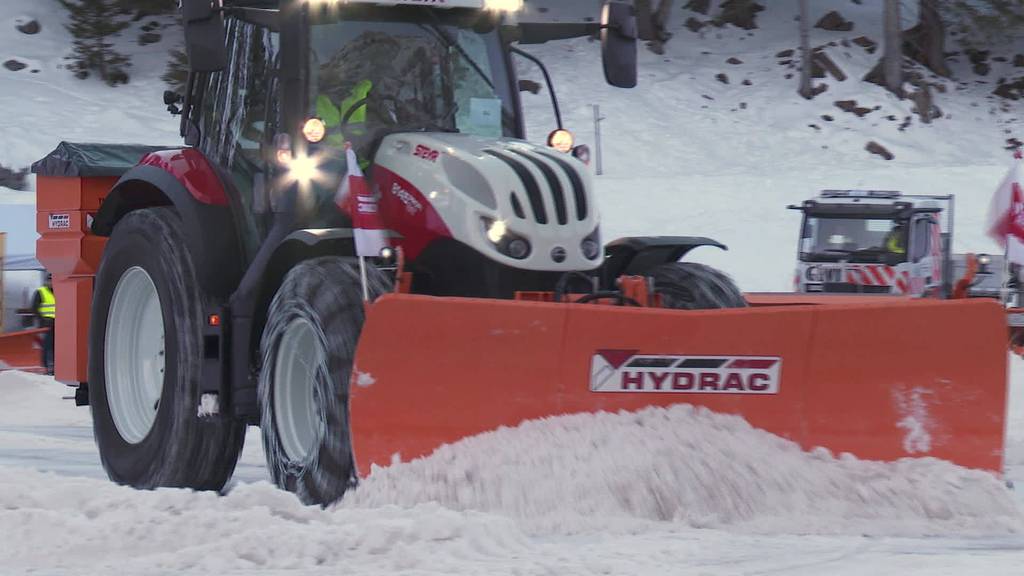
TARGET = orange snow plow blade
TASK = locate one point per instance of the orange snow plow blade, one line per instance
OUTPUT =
(21, 351)
(880, 380)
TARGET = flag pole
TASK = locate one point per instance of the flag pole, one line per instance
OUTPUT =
(1005, 296)
(1004, 289)
(362, 278)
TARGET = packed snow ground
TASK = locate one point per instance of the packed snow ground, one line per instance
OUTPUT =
(683, 154)
(661, 491)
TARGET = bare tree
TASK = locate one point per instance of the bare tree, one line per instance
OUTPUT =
(644, 21)
(925, 42)
(806, 89)
(652, 23)
(892, 56)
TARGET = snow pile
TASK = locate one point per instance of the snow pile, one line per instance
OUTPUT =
(691, 466)
(80, 526)
(33, 400)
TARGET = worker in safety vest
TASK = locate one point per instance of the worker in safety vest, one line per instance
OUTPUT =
(346, 120)
(45, 307)
(895, 240)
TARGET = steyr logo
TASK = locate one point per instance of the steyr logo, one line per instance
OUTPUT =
(631, 371)
(426, 153)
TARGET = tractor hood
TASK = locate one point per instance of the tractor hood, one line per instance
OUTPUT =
(522, 205)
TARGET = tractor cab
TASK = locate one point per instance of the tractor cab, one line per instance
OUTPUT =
(283, 81)
(874, 242)
(428, 99)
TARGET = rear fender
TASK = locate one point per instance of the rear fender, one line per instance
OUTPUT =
(209, 229)
(638, 255)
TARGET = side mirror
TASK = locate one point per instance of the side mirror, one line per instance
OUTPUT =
(204, 35)
(529, 86)
(618, 44)
(171, 97)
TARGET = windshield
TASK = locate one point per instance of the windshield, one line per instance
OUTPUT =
(853, 239)
(374, 71)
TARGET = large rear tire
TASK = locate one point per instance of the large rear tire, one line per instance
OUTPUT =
(307, 350)
(693, 286)
(145, 360)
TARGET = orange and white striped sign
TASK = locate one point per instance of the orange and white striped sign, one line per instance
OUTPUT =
(879, 275)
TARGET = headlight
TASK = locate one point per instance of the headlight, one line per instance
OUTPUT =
(591, 246)
(519, 248)
(984, 259)
(561, 140)
(303, 169)
(314, 130)
(504, 5)
(582, 153)
(507, 242)
(813, 274)
(496, 231)
(283, 149)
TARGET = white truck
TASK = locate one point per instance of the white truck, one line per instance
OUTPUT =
(886, 242)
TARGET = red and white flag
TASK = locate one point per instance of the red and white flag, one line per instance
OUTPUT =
(355, 198)
(1006, 213)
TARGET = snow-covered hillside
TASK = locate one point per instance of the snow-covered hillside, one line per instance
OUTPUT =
(686, 154)
(43, 103)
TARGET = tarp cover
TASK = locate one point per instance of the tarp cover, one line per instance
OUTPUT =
(85, 159)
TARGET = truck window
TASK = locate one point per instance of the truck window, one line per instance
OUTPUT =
(922, 238)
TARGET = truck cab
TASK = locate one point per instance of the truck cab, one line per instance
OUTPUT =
(875, 242)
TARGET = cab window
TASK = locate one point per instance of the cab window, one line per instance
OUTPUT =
(922, 237)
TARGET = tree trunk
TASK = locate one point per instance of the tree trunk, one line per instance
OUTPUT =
(926, 41)
(652, 24)
(662, 16)
(805, 51)
(644, 20)
(892, 57)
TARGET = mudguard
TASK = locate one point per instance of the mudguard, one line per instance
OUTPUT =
(298, 246)
(210, 228)
(635, 256)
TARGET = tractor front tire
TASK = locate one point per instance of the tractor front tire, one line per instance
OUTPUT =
(693, 286)
(145, 359)
(307, 350)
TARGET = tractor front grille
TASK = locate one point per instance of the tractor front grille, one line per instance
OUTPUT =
(548, 165)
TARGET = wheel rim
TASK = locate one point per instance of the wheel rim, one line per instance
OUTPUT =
(299, 356)
(134, 355)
